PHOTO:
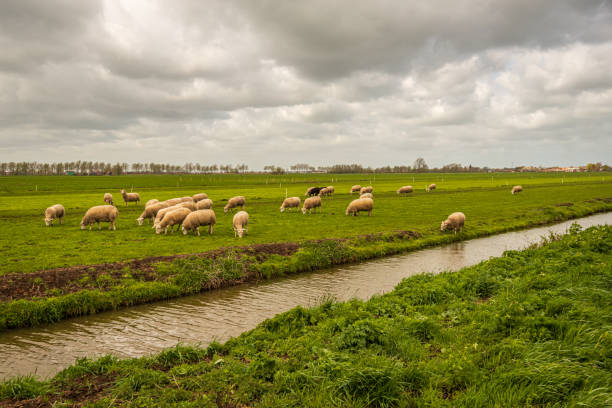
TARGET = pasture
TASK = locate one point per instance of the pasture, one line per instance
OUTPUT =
(26, 245)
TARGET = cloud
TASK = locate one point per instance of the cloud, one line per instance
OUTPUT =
(283, 82)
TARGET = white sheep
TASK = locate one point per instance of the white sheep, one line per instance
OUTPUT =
(455, 221)
(173, 201)
(174, 217)
(360, 204)
(234, 202)
(331, 190)
(152, 201)
(517, 189)
(161, 213)
(241, 224)
(108, 198)
(324, 192)
(430, 187)
(404, 190)
(194, 220)
(150, 212)
(367, 195)
(199, 197)
(187, 199)
(98, 214)
(355, 188)
(129, 197)
(205, 204)
(367, 189)
(290, 202)
(311, 203)
(53, 212)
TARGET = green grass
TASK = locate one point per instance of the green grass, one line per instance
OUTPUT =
(531, 329)
(26, 245)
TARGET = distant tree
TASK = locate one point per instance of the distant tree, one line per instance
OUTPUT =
(420, 165)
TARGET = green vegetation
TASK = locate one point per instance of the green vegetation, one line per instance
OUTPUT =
(531, 328)
(27, 246)
(399, 224)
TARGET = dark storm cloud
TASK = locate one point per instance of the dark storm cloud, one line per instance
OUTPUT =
(283, 82)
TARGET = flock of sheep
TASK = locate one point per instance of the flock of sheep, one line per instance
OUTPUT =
(190, 213)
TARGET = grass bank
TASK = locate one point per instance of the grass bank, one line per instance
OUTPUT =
(50, 296)
(531, 328)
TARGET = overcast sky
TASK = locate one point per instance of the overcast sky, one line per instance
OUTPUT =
(482, 82)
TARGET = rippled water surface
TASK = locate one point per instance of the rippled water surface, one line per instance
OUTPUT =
(218, 315)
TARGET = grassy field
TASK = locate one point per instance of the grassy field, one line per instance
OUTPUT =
(26, 245)
(529, 329)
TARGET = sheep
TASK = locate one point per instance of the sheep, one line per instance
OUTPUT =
(311, 203)
(187, 199)
(312, 191)
(367, 189)
(331, 190)
(108, 198)
(194, 220)
(161, 213)
(199, 197)
(323, 192)
(517, 189)
(355, 188)
(128, 197)
(455, 221)
(430, 187)
(404, 190)
(291, 202)
(174, 217)
(53, 212)
(150, 212)
(100, 213)
(360, 204)
(205, 204)
(234, 202)
(241, 224)
(152, 201)
(367, 195)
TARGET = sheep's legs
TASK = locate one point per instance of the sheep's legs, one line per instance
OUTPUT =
(198, 231)
(99, 226)
(60, 220)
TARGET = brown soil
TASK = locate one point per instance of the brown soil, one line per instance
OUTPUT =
(38, 284)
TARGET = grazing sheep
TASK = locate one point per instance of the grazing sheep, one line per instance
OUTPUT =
(187, 199)
(108, 198)
(355, 188)
(194, 220)
(367, 195)
(311, 203)
(129, 197)
(404, 190)
(290, 202)
(455, 221)
(152, 201)
(517, 189)
(199, 197)
(161, 213)
(98, 214)
(331, 190)
(312, 191)
(367, 189)
(241, 224)
(430, 187)
(360, 204)
(173, 201)
(150, 212)
(234, 202)
(174, 217)
(205, 204)
(324, 192)
(53, 212)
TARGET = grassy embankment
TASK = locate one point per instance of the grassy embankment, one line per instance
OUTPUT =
(529, 329)
(28, 246)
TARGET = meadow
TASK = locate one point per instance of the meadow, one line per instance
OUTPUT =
(531, 329)
(26, 245)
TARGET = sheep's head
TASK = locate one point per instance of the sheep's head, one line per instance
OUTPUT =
(140, 220)
(282, 209)
(83, 225)
(225, 209)
(122, 191)
(184, 230)
(240, 232)
(48, 221)
(444, 225)
(304, 210)
(158, 229)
